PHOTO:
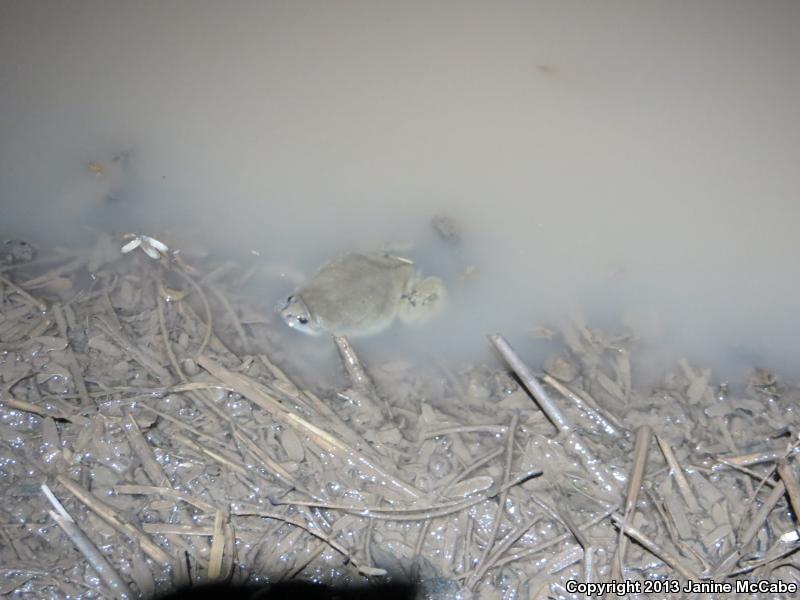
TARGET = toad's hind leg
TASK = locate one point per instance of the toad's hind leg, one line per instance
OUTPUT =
(423, 301)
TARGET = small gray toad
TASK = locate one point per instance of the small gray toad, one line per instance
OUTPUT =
(361, 295)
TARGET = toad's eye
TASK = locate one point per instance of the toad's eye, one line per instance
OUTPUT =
(302, 320)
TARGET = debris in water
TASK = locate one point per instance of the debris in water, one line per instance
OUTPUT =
(166, 412)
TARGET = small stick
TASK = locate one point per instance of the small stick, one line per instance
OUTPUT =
(142, 449)
(338, 424)
(660, 553)
(72, 362)
(411, 513)
(217, 547)
(250, 389)
(206, 307)
(756, 458)
(665, 511)
(723, 424)
(586, 403)
(583, 542)
(86, 547)
(391, 513)
(786, 473)
(755, 524)
(448, 486)
(181, 425)
(363, 569)
(556, 540)
(137, 354)
(46, 277)
(502, 548)
(176, 529)
(40, 328)
(237, 324)
(25, 406)
(352, 365)
(271, 465)
(147, 490)
(215, 456)
(565, 559)
(572, 440)
(287, 389)
(358, 374)
(680, 477)
(495, 429)
(762, 513)
(749, 472)
(165, 336)
(40, 306)
(588, 566)
(484, 564)
(641, 448)
(113, 518)
(535, 388)
(366, 393)
(287, 386)
(105, 302)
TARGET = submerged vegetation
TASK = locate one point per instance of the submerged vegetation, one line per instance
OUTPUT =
(155, 434)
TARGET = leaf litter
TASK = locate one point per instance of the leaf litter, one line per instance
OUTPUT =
(154, 434)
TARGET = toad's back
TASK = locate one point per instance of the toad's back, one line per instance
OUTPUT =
(357, 293)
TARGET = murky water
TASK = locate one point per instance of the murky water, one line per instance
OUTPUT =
(634, 162)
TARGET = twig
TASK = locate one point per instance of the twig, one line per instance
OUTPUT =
(756, 458)
(483, 563)
(494, 429)
(363, 569)
(72, 362)
(176, 529)
(363, 386)
(443, 492)
(86, 547)
(535, 388)
(165, 336)
(142, 449)
(38, 304)
(248, 388)
(217, 547)
(352, 365)
(662, 554)
(587, 404)
(237, 324)
(789, 479)
(213, 455)
(206, 307)
(25, 406)
(46, 277)
(556, 540)
(147, 490)
(273, 466)
(117, 521)
(576, 445)
(677, 472)
(134, 352)
(641, 448)
(755, 524)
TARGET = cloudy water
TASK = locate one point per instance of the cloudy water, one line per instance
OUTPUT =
(633, 162)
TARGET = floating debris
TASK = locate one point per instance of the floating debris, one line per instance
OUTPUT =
(151, 246)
